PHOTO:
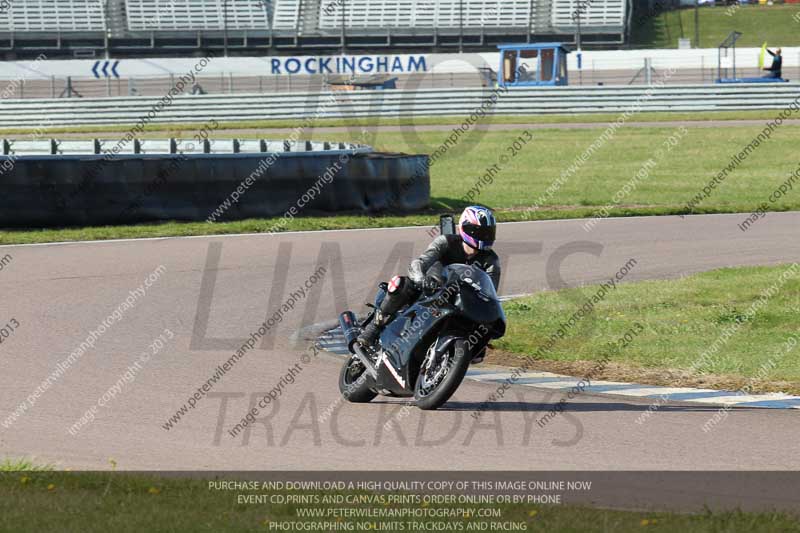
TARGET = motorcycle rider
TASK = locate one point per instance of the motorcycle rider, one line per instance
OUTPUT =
(471, 246)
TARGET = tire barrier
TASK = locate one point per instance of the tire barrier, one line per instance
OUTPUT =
(47, 184)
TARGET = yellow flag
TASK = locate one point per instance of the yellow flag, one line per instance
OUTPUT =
(762, 55)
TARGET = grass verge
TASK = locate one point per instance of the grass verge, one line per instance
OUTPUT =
(23, 464)
(669, 324)
(88, 502)
(679, 172)
(758, 24)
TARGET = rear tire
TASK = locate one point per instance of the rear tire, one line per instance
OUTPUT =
(460, 359)
(355, 383)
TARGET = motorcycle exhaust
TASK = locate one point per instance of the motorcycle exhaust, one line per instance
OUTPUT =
(349, 325)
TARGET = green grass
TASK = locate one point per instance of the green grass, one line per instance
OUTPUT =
(774, 24)
(23, 465)
(88, 502)
(680, 320)
(679, 175)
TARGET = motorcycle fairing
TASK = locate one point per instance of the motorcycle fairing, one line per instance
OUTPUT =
(399, 340)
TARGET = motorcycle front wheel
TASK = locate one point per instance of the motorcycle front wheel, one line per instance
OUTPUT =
(355, 383)
(440, 375)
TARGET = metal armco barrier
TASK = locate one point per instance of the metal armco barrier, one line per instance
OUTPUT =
(428, 102)
(53, 189)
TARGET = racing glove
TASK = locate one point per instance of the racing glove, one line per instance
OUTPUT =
(432, 283)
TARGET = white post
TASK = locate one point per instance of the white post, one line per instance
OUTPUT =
(702, 69)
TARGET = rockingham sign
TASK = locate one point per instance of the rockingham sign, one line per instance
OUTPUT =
(348, 65)
(371, 64)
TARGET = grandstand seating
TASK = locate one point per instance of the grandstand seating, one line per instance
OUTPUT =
(594, 14)
(287, 14)
(425, 14)
(53, 16)
(147, 15)
(190, 15)
(139, 24)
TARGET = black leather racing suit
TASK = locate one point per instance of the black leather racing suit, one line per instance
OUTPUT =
(446, 249)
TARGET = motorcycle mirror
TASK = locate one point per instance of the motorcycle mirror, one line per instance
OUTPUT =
(447, 225)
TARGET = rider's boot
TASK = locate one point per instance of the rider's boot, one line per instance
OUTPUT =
(369, 335)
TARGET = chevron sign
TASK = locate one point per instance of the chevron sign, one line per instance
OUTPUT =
(105, 70)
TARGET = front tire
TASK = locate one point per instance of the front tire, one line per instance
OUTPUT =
(355, 383)
(431, 394)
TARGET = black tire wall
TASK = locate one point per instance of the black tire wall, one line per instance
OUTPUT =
(47, 191)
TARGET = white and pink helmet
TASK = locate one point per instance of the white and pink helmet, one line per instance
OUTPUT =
(477, 227)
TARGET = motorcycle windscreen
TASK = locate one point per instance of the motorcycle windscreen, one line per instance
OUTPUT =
(479, 301)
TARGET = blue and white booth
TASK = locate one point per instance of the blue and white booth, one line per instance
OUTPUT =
(525, 65)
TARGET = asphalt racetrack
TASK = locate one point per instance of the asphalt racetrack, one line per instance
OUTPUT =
(213, 292)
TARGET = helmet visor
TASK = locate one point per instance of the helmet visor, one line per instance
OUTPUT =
(485, 234)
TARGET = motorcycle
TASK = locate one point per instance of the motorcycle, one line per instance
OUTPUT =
(425, 351)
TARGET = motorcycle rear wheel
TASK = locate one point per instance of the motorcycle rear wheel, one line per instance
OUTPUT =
(355, 383)
(432, 397)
